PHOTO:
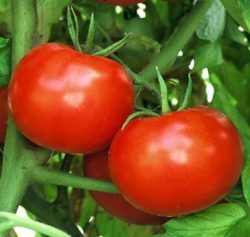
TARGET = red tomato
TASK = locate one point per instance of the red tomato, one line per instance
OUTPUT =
(96, 166)
(3, 113)
(179, 163)
(69, 101)
(120, 2)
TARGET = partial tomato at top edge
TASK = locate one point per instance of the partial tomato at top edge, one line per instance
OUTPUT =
(69, 101)
(178, 163)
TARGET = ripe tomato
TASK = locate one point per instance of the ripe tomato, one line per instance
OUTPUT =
(179, 163)
(120, 2)
(69, 101)
(96, 166)
(3, 113)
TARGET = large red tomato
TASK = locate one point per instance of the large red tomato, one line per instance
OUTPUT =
(120, 2)
(96, 166)
(69, 101)
(179, 163)
(3, 113)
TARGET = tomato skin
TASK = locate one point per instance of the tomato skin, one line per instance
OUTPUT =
(120, 2)
(96, 166)
(178, 163)
(69, 101)
(3, 113)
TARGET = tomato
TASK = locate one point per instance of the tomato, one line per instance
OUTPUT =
(120, 2)
(69, 101)
(96, 166)
(3, 113)
(178, 163)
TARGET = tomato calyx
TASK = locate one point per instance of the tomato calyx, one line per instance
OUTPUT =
(187, 94)
(163, 97)
(73, 28)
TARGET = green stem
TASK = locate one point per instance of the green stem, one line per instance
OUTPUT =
(24, 24)
(14, 220)
(14, 180)
(137, 79)
(166, 58)
(45, 175)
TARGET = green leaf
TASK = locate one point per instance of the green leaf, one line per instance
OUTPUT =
(213, 23)
(5, 67)
(5, 17)
(207, 55)
(234, 81)
(240, 11)
(88, 210)
(90, 35)
(233, 32)
(242, 229)
(162, 10)
(164, 93)
(113, 47)
(49, 13)
(109, 226)
(224, 102)
(215, 221)
(188, 94)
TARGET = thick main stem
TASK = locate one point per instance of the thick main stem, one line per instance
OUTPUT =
(166, 58)
(14, 180)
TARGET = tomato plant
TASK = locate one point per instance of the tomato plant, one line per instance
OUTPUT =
(178, 163)
(69, 101)
(175, 164)
(3, 113)
(96, 166)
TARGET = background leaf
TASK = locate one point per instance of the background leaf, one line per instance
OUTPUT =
(213, 23)
(215, 221)
(207, 55)
(240, 11)
(4, 61)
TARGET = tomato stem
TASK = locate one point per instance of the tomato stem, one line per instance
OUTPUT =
(137, 79)
(16, 158)
(14, 180)
(14, 220)
(166, 58)
(49, 176)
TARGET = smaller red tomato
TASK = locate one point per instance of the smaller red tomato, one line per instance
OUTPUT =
(120, 2)
(3, 113)
(96, 166)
